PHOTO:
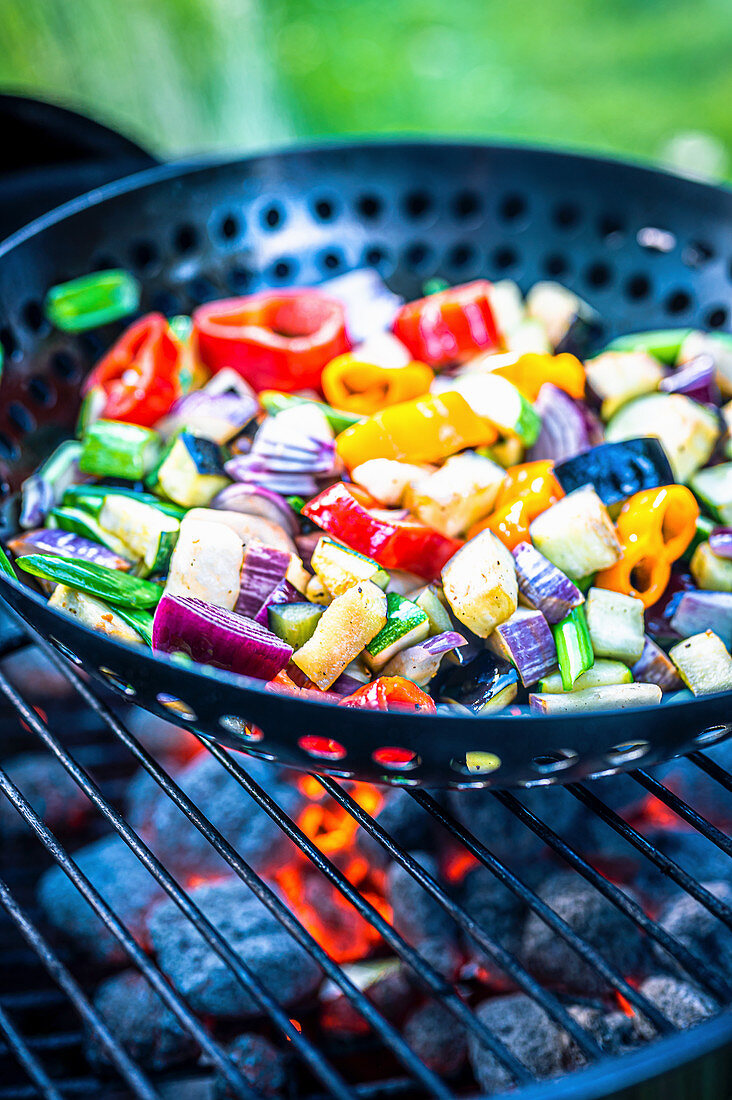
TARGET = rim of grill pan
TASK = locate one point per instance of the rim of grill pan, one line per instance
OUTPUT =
(675, 189)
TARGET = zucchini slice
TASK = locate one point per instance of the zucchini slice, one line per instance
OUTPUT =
(339, 567)
(406, 624)
(149, 533)
(295, 623)
(344, 628)
(704, 663)
(687, 430)
(191, 473)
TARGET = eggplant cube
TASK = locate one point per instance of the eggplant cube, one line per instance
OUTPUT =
(577, 534)
(704, 663)
(487, 684)
(616, 624)
(527, 642)
(454, 497)
(480, 584)
(206, 563)
(191, 474)
(619, 376)
(710, 571)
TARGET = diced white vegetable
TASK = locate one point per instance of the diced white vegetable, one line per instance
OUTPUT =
(616, 624)
(719, 346)
(602, 674)
(687, 430)
(93, 613)
(709, 571)
(619, 376)
(339, 567)
(577, 534)
(246, 527)
(529, 336)
(480, 584)
(704, 663)
(384, 350)
(507, 303)
(456, 496)
(148, 533)
(316, 592)
(615, 696)
(386, 479)
(206, 563)
(344, 628)
(555, 307)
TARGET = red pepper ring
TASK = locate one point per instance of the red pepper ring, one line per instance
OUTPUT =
(391, 693)
(405, 545)
(450, 326)
(139, 373)
(276, 339)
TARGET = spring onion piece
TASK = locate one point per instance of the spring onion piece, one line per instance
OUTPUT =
(542, 586)
(614, 697)
(654, 667)
(704, 663)
(91, 498)
(97, 580)
(486, 684)
(664, 344)
(45, 488)
(139, 620)
(574, 648)
(283, 593)
(214, 636)
(66, 544)
(92, 300)
(526, 641)
(6, 565)
(602, 674)
(253, 500)
(564, 429)
(616, 624)
(420, 663)
(295, 623)
(111, 448)
(695, 610)
(720, 542)
(617, 471)
(262, 570)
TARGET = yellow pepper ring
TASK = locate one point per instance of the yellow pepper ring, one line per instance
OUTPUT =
(364, 388)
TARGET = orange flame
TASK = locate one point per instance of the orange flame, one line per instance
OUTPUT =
(457, 865)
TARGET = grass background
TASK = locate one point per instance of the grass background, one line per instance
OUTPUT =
(628, 76)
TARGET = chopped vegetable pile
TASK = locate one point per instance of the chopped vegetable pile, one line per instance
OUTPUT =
(453, 502)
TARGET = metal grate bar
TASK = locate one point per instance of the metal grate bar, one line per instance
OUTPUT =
(150, 972)
(389, 1034)
(27, 1059)
(131, 1073)
(504, 959)
(667, 866)
(425, 972)
(677, 804)
(692, 963)
(592, 957)
(712, 769)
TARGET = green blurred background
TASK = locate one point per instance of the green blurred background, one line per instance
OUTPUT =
(648, 78)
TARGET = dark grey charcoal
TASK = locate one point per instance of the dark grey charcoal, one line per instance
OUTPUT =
(122, 881)
(137, 1017)
(695, 786)
(437, 1038)
(498, 911)
(698, 929)
(614, 1032)
(257, 839)
(164, 740)
(502, 833)
(599, 924)
(249, 928)
(407, 824)
(51, 791)
(384, 982)
(693, 853)
(32, 672)
(419, 918)
(261, 1064)
(681, 1003)
(142, 792)
(528, 1033)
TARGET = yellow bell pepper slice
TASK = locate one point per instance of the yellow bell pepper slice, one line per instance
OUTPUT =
(360, 387)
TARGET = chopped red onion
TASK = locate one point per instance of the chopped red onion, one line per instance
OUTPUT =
(527, 642)
(696, 611)
(214, 636)
(654, 667)
(346, 685)
(262, 570)
(564, 431)
(419, 663)
(284, 592)
(720, 542)
(52, 540)
(222, 415)
(544, 587)
(696, 379)
(370, 305)
(252, 470)
(252, 500)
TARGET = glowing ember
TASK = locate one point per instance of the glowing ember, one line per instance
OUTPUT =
(625, 1004)
(654, 814)
(457, 865)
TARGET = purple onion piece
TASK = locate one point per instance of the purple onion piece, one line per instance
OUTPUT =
(346, 685)
(233, 408)
(262, 570)
(527, 642)
(36, 501)
(214, 636)
(593, 425)
(654, 667)
(419, 663)
(252, 500)
(696, 611)
(252, 470)
(695, 379)
(52, 540)
(283, 593)
(544, 587)
(720, 542)
(564, 432)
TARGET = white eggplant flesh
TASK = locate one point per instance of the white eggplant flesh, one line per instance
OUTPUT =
(456, 496)
(577, 534)
(91, 612)
(616, 624)
(206, 563)
(386, 479)
(704, 663)
(480, 584)
(613, 697)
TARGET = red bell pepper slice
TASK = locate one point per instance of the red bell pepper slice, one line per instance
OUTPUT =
(450, 326)
(405, 545)
(276, 340)
(139, 374)
(390, 692)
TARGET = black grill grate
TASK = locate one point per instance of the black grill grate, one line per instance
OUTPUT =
(41, 1052)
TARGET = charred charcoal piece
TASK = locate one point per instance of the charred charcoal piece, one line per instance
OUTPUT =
(693, 853)
(31, 671)
(142, 792)
(528, 1033)
(51, 791)
(137, 1017)
(437, 1038)
(681, 1003)
(249, 928)
(419, 918)
(162, 739)
(498, 911)
(599, 924)
(698, 929)
(257, 839)
(123, 882)
(385, 984)
(614, 1032)
(406, 822)
(260, 1063)
(501, 832)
